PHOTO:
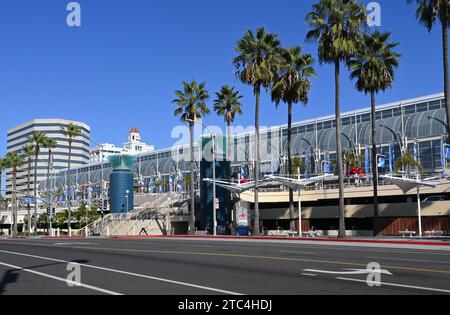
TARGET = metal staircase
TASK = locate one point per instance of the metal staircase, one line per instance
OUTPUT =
(126, 224)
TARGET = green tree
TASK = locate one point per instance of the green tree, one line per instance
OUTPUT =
(71, 132)
(60, 219)
(257, 65)
(291, 87)
(409, 163)
(42, 221)
(37, 139)
(29, 152)
(297, 165)
(191, 102)
(428, 13)
(374, 71)
(336, 25)
(14, 161)
(227, 104)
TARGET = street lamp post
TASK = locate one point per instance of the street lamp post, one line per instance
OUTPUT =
(213, 137)
(126, 199)
(300, 229)
(50, 225)
(100, 146)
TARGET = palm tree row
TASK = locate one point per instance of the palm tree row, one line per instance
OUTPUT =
(191, 103)
(14, 161)
(71, 132)
(262, 63)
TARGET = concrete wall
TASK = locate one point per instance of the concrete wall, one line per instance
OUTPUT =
(441, 208)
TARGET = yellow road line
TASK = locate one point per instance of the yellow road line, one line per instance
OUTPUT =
(329, 262)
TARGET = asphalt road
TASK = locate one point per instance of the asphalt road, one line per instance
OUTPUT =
(212, 267)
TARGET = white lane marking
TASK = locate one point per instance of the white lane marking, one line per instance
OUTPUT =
(296, 252)
(309, 275)
(128, 273)
(86, 286)
(350, 272)
(411, 260)
(398, 285)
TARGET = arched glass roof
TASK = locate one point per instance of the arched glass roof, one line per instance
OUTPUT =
(417, 122)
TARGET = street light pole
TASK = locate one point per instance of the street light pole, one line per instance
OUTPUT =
(213, 137)
(126, 197)
(51, 206)
(300, 230)
(214, 185)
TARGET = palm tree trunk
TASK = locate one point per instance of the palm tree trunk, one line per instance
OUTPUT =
(14, 231)
(290, 170)
(28, 196)
(340, 165)
(256, 225)
(48, 188)
(229, 143)
(192, 219)
(446, 71)
(35, 193)
(69, 193)
(374, 164)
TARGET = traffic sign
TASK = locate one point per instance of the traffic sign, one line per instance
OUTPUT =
(28, 200)
(217, 204)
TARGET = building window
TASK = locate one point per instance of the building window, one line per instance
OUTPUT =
(435, 105)
(410, 109)
(387, 114)
(421, 107)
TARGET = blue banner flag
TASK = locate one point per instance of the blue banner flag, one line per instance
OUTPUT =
(391, 160)
(307, 166)
(327, 164)
(161, 187)
(416, 153)
(381, 162)
(367, 160)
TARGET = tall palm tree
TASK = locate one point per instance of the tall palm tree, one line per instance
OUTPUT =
(14, 161)
(37, 139)
(257, 65)
(191, 102)
(336, 25)
(2, 167)
(374, 70)
(428, 12)
(28, 151)
(292, 86)
(50, 144)
(227, 104)
(71, 132)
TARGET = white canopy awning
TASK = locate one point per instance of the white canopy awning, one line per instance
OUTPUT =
(406, 184)
(297, 184)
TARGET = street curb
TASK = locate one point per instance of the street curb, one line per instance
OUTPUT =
(388, 242)
(63, 238)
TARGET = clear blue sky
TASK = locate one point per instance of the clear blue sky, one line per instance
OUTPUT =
(119, 70)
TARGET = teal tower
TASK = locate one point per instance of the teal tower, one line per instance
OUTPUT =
(121, 183)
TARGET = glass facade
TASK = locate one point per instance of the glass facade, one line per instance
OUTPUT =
(422, 120)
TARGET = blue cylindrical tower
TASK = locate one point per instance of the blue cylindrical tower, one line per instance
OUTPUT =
(121, 183)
